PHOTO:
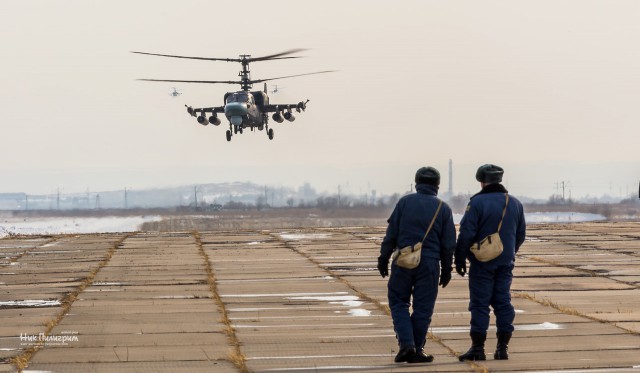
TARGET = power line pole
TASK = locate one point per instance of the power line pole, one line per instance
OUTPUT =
(266, 196)
(126, 203)
(195, 197)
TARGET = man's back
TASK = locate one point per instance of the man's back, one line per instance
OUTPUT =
(482, 218)
(411, 218)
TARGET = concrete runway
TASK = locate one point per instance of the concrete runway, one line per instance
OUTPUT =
(305, 300)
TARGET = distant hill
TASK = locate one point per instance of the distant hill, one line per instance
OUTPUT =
(188, 195)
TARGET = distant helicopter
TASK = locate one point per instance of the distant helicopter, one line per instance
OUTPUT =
(175, 92)
(276, 89)
(244, 108)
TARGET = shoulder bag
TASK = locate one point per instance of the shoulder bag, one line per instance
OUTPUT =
(409, 256)
(490, 247)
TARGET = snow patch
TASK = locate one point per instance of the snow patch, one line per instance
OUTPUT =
(561, 217)
(109, 224)
(359, 312)
(552, 217)
(30, 303)
(303, 236)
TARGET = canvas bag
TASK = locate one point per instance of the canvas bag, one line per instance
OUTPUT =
(490, 247)
(409, 256)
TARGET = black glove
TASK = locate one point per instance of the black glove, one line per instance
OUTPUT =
(445, 277)
(383, 266)
(461, 268)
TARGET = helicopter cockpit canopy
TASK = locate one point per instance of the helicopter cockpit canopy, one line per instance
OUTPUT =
(239, 97)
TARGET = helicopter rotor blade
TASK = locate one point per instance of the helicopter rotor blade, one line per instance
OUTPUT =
(193, 81)
(190, 57)
(277, 56)
(289, 76)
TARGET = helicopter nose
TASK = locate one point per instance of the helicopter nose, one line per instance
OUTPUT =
(235, 109)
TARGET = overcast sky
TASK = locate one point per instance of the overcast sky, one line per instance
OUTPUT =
(547, 89)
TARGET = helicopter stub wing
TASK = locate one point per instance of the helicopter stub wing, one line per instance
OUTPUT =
(300, 106)
(194, 112)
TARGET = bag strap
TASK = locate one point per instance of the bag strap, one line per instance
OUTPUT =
(432, 221)
(504, 210)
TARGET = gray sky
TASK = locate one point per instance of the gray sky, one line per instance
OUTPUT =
(547, 89)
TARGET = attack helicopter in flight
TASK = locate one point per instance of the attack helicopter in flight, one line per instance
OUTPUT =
(245, 108)
(276, 89)
(174, 92)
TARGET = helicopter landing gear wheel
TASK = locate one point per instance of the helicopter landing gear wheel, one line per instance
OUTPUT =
(228, 135)
(270, 133)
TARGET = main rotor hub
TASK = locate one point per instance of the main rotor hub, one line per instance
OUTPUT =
(245, 74)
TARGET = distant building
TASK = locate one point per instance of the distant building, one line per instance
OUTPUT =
(13, 201)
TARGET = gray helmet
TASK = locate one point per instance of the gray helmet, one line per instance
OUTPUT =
(489, 174)
(428, 175)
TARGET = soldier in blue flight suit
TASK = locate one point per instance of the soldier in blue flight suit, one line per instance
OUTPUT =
(490, 282)
(407, 226)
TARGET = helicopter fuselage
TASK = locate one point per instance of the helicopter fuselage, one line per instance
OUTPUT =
(242, 109)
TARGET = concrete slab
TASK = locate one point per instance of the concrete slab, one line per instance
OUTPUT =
(302, 300)
(218, 366)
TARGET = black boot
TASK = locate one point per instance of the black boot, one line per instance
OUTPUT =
(405, 354)
(476, 352)
(420, 357)
(502, 349)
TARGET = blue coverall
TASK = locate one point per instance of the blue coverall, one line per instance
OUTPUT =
(490, 282)
(407, 225)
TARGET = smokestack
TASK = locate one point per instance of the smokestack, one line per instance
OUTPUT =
(450, 178)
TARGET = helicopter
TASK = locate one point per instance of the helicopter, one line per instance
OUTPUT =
(174, 92)
(244, 108)
(276, 89)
